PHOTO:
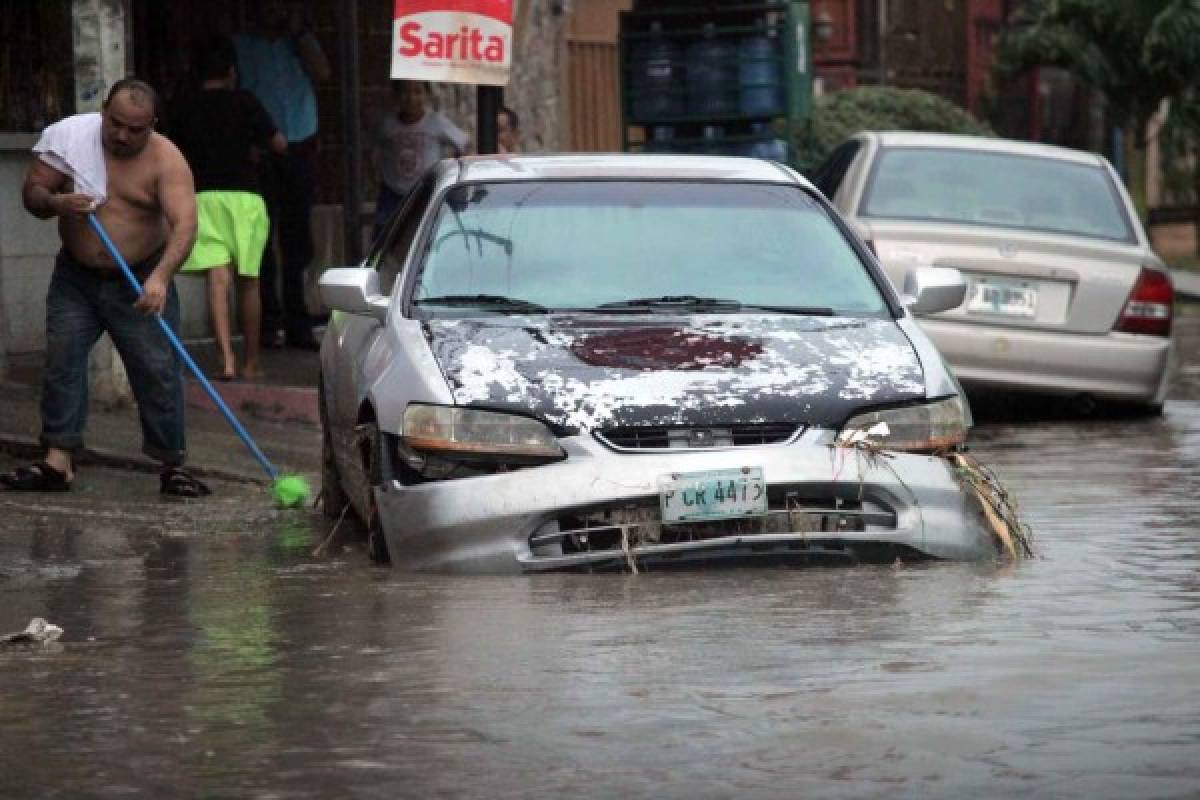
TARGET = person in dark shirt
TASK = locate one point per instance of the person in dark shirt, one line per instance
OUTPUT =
(221, 130)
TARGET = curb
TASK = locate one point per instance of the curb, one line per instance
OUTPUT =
(25, 447)
(1187, 283)
(281, 404)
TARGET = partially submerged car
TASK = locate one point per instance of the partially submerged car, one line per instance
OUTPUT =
(1065, 295)
(627, 361)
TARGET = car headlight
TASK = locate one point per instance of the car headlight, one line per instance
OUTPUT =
(939, 425)
(467, 431)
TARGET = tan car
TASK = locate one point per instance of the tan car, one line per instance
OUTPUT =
(1064, 294)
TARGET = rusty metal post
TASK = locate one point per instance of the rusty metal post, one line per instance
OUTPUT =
(489, 102)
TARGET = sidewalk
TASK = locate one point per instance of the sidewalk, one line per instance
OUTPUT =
(279, 413)
(1187, 284)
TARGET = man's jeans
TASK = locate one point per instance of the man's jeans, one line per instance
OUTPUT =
(80, 305)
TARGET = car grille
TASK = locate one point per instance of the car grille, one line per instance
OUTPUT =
(687, 438)
(790, 511)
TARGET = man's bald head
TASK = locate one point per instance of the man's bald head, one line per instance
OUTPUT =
(140, 93)
(129, 114)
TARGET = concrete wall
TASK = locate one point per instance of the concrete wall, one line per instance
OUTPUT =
(1175, 242)
(27, 247)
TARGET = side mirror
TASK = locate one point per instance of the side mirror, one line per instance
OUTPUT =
(928, 290)
(354, 290)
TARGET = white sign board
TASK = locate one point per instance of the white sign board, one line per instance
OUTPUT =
(454, 41)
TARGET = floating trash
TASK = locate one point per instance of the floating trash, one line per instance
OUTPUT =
(37, 632)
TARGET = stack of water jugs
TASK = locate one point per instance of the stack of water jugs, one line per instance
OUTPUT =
(715, 76)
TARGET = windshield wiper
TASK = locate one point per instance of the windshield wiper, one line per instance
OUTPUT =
(803, 311)
(484, 301)
(685, 300)
(693, 301)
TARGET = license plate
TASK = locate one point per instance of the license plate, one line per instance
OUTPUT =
(716, 494)
(1007, 298)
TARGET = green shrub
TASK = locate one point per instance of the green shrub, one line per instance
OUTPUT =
(839, 115)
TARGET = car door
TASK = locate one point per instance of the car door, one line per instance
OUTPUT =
(359, 335)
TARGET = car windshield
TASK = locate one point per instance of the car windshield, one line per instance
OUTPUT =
(640, 246)
(984, 188)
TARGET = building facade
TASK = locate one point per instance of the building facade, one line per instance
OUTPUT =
(61, 55)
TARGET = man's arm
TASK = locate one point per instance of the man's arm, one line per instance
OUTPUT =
(313, 58)
(455, 137)
(177, 197)
(309, 48)
(43, 196)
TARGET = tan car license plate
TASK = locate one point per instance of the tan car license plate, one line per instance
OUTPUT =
(1004, 298)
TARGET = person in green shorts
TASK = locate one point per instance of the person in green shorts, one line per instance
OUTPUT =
(221, 131)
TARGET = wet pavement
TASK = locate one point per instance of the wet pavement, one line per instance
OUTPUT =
(209, 652)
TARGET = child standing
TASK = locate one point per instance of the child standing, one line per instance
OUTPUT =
(407, 141)
(218, 129)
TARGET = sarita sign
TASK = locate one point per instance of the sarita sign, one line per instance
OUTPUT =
(456, 41)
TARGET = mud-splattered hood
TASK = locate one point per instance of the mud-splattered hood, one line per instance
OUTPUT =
(584, 373)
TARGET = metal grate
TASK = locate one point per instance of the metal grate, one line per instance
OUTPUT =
(695, 438)
(790, 513)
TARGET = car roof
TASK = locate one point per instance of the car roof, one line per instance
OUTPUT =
(633, 166)
(985, 143)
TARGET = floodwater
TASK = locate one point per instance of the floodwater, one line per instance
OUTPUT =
(208, 652)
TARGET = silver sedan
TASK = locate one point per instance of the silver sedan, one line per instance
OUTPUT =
(618, 362)
(1064, 295)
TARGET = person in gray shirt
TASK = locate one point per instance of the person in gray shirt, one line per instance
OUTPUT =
(408, 140)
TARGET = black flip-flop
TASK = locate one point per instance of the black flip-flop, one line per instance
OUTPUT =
(38, 477)
(178, 482)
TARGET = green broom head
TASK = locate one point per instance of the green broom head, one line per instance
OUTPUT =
(290, 491)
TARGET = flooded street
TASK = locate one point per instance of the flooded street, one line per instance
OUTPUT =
(208, 652)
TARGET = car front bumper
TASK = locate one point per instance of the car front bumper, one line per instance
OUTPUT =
(516, 521)
(1117, 366)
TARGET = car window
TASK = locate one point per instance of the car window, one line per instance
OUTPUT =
(828, 177)
(569, 244)
(399, 236)
(1002, 189)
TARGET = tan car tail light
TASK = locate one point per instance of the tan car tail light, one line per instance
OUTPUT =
(1150, 305)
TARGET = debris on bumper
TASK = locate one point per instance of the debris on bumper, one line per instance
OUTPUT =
(997, 505)
(1013, 536)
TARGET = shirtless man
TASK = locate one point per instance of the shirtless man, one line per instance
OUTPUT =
(150, 215)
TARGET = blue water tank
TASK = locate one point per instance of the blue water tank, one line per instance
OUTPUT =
(760, 83)
(655, 76)
(712, 76)
(661, 140)
(713, 143)
(766, 145)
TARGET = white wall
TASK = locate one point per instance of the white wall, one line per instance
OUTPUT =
(27, 248)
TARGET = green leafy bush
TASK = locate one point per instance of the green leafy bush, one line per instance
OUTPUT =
(839, 115)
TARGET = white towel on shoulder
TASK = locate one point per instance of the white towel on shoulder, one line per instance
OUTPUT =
(73, 147)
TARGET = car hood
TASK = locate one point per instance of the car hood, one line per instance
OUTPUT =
(582, 373)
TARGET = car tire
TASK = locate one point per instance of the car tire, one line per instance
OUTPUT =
(1148, 410)
(377, 549)
(334, 499)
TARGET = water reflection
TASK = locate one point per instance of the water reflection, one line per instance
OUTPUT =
(215, 655)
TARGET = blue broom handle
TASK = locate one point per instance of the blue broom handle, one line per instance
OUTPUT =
(183, 353)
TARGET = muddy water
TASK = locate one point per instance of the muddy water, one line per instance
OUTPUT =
(208, 653)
